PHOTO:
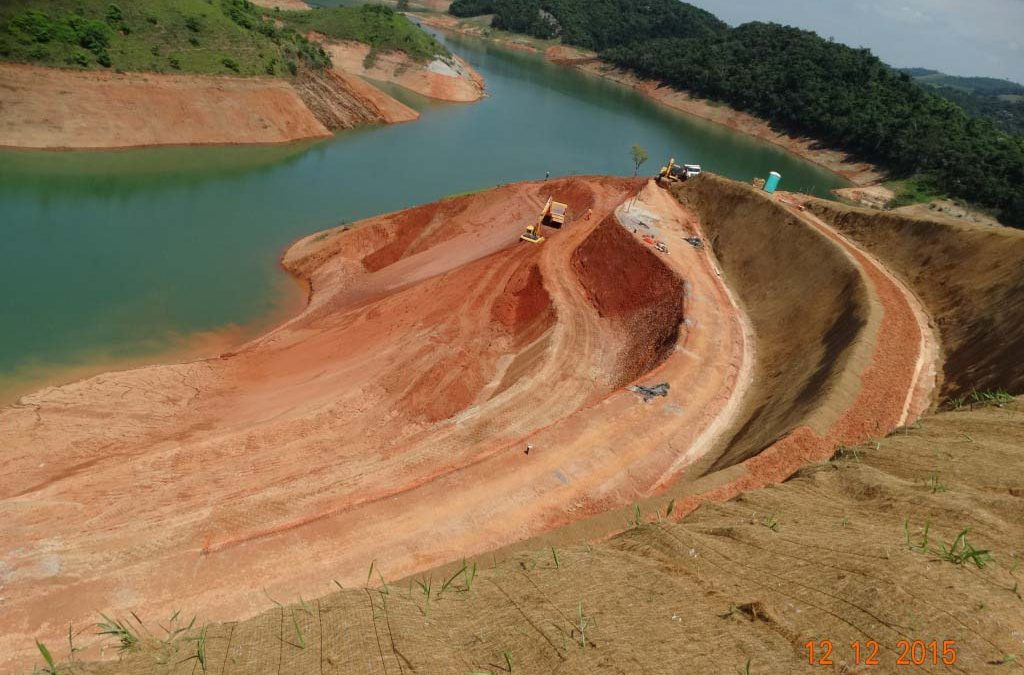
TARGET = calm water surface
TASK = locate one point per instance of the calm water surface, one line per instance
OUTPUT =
(112, 258)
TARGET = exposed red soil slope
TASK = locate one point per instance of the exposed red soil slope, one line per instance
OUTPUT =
(443, 79)
(386, 422)
(48, 108)
(643, 297)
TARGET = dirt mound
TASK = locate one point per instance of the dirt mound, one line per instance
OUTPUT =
(642, 297)
(970, 279)
(838, 553)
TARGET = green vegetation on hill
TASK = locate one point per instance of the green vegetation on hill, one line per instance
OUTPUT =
(193, 36)
(801, 83)
(595, 24)
(381, 27)
(999, 101)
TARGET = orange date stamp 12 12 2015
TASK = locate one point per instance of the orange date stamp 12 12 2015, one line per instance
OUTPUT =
(908, 652)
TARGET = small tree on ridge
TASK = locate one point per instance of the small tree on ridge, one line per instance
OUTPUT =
(639, 157)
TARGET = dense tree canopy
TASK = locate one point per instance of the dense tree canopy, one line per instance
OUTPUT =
(799, 81)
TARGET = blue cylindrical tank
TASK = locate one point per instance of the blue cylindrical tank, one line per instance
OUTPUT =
(772, 182)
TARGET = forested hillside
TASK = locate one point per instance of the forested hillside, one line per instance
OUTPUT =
(1000, 101)
(595, 24)
(801, 82)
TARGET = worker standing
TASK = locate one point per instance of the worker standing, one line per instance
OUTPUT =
(547, 174)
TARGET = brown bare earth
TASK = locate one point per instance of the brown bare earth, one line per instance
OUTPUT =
(968, 277)
(54, 109)
(445, 79)
(872, 196)
(385, 430)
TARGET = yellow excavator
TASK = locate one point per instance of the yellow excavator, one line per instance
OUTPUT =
(553, 213)
(677, 172)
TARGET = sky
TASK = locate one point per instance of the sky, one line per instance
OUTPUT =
(959, 37)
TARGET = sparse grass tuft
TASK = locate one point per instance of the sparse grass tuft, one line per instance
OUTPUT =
(580, 628)
(122, 631)
(934, 484)
(961, 552)
(425, 588)
(922, 545)
(299, 637)
(51, 667)
(200, 655)
(997, 398)
(449, 580)
(638, 519)
(846, 452)
(771, 522)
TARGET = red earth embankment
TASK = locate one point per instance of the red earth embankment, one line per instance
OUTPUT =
(47, 108)
(388, 421)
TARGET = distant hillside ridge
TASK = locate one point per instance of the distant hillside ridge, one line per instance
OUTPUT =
(998, 101)
(986, 86)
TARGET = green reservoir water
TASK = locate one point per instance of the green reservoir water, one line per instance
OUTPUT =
(112, 258)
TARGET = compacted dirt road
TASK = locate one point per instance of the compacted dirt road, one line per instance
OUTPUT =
(388, 423)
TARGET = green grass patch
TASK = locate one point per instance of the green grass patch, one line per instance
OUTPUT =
(226, 37)
(381, 27)
(914, 190)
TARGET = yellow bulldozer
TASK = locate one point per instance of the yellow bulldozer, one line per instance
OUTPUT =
(677, 172)
(552, 214)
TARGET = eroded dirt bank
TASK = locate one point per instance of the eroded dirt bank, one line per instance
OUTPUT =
(968, 276)
(444, 79)
(47, 108)
(387, 422)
